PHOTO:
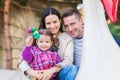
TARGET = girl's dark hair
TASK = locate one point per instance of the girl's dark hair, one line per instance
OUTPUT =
(47, 12)
(48, 33)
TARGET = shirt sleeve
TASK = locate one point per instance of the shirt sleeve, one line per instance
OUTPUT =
(68, 55)
(24, 67)
(27, 54)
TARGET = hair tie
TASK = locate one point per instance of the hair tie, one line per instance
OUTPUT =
(34, 32)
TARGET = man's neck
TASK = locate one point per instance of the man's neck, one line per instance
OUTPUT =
(78, 37)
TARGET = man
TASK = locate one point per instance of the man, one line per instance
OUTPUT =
(74, 27)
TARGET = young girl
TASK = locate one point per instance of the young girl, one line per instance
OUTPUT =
(43, 53)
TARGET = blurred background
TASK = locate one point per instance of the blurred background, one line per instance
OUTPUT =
(17, 15)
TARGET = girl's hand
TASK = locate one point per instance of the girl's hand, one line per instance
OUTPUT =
(47, 74)
(29, 41)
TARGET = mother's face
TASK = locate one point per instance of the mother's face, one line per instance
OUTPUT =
(52, 23)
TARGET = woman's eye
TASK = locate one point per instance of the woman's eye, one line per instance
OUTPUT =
(48, 23)
(54, 21)
(41, 41)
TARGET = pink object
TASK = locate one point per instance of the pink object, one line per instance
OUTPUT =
(29, 30)
(119, 3)
(111, 7)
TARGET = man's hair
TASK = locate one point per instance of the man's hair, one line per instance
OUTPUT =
(69, 12)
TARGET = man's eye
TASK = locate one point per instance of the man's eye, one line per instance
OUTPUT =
(66, 26)
(72, 24)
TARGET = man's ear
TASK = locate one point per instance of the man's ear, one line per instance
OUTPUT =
(81, 20)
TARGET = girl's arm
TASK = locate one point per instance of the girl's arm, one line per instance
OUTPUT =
(23, 65)
(27, 54)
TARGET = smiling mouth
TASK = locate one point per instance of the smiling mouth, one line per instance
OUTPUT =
(73, 33)
(44, 47)
(53, 30)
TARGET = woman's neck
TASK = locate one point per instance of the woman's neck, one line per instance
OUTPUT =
(57, 34)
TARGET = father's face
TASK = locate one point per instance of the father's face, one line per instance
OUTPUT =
(74, 26)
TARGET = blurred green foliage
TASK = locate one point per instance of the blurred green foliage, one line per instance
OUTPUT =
(21, 2)
(2, 3)
(115, 30)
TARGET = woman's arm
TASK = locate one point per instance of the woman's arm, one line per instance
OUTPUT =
(25, 68)
(68, 54)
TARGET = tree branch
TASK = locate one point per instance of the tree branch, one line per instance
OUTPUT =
(27, 7)
(1, 10)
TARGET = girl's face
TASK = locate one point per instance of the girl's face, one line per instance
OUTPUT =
(52, 23)
(45, 42)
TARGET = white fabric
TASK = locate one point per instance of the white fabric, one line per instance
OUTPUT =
(101, 54)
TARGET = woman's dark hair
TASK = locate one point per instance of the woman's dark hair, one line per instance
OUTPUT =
(47, 12)
(48, 33)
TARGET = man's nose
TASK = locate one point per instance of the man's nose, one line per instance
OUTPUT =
(70, 28)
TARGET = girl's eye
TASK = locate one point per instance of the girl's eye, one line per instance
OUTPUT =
(47, 41)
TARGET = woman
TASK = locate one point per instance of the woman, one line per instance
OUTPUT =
(51, 20)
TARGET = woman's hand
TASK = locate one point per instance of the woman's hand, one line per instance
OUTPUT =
(38, 74)
(47, 74)
(29, 41)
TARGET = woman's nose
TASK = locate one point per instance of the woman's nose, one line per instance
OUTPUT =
(52, 25)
